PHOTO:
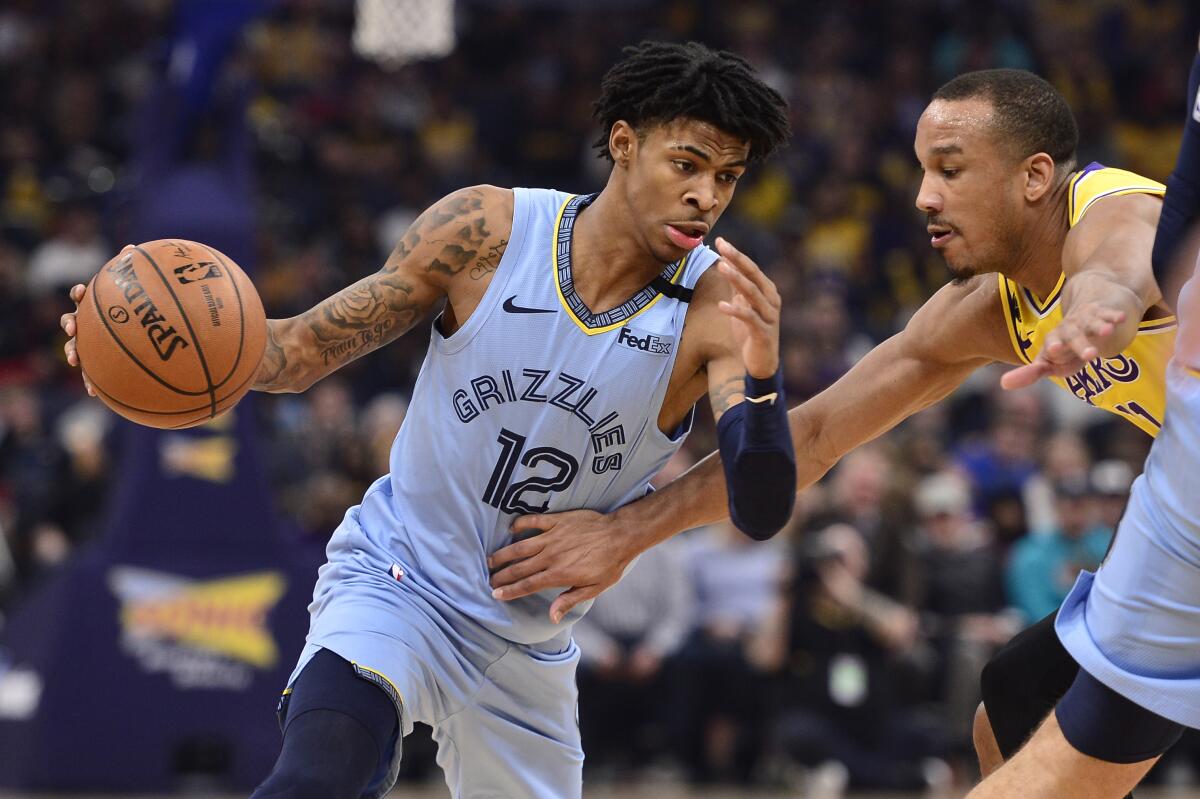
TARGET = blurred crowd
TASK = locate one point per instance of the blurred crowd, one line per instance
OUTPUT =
(849, 647)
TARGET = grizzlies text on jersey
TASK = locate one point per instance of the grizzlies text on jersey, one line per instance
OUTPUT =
(534, 404)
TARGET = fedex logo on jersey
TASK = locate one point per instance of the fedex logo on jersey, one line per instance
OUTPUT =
(655, 345)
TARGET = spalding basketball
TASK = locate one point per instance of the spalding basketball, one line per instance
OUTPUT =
(170, 333)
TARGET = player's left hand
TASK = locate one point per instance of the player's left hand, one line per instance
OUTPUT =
(753, 312)
(579, 550)
(1068, 347)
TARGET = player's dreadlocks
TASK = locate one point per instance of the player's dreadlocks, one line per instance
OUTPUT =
(657, 82)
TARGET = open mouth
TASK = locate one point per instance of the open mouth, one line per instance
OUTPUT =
(938, 236)
(687, 235)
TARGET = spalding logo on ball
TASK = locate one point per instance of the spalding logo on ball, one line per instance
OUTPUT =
(170, 333)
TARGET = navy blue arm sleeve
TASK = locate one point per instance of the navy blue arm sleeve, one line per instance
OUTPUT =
(759, 461)
(1182, 202)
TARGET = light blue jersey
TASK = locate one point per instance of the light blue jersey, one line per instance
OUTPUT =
(1134, 625)
(535, 404)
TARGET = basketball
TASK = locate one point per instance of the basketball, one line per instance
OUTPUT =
(170, 333)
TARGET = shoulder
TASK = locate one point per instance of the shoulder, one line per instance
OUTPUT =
(493, 203)
(1098, 185)
(962, 321)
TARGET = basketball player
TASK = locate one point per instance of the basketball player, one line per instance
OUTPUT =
(576, 335)
(1134, 625)
(1051, 271)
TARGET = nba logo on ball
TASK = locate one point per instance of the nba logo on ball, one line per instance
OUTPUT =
(194, 273)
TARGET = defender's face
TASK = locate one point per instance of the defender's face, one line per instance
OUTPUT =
(970, 192)
(681, 178)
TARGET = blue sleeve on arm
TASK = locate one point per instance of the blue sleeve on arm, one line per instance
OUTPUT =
(760, 464)
(1182, 202)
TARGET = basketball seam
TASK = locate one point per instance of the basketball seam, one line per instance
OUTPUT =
(241, 318)
(136, 409)
(104, 320)
(212, 391)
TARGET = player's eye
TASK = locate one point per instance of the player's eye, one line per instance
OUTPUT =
(684, 165)
(949, 172)
(730, 177)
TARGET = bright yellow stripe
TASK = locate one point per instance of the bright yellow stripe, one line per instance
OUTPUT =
(1043, 306)
(1071, 218)
(1162, 323)
(1010, 323)
(381, 676)
(592, 331)
(554, 268)
(1192, 372)
(1130, 190)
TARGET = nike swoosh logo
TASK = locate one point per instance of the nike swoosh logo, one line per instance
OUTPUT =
(511, 308)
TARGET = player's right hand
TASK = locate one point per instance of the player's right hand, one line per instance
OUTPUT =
(67, 323)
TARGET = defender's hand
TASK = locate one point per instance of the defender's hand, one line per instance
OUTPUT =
(67, 323)
(580, 550)
(1068, 347)
(753, 312)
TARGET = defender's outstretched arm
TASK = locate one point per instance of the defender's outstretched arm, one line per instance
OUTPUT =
(958, 330)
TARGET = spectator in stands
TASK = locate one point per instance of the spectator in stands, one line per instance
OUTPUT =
(833, 640)
(963, 609)
(628, 641)
(1044, 564)
(736, 582)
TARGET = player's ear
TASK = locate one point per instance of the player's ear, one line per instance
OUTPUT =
(622, 142)
(1039, 176)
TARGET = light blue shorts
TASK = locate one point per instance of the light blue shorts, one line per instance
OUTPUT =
(504, 715)
(1135, 624)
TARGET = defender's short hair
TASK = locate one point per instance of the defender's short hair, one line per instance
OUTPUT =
(1030, 114)
(658, 82)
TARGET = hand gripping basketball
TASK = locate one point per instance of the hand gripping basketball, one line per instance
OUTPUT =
(168, 334)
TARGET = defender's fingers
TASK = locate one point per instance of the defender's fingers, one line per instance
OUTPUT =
(1083, 348)
(77, 293)
(515, 572)
(568, 599)
(72, 355)
(1024, 376)
(67, 323)
(534, 522)
(518, 550)
(522, 588)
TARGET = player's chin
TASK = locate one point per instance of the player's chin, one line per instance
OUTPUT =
(960, 272)
(667, 252)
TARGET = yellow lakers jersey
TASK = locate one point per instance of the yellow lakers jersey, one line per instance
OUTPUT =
(1133, 384)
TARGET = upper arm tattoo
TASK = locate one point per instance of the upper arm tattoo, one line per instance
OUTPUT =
(381, 307)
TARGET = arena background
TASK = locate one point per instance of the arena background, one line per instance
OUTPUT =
(152, 585)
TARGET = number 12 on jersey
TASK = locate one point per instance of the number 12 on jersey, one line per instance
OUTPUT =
(510, 497)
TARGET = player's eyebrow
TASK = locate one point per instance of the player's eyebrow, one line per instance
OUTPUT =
(945, 149)
(696, 151)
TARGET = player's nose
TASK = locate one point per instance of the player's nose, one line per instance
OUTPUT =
(928, 200)
(703, 198)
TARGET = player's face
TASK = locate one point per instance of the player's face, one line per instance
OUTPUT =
(681, 178)
(970, 193)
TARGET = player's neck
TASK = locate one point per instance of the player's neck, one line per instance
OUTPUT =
(608, 262)
(1039, 262)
